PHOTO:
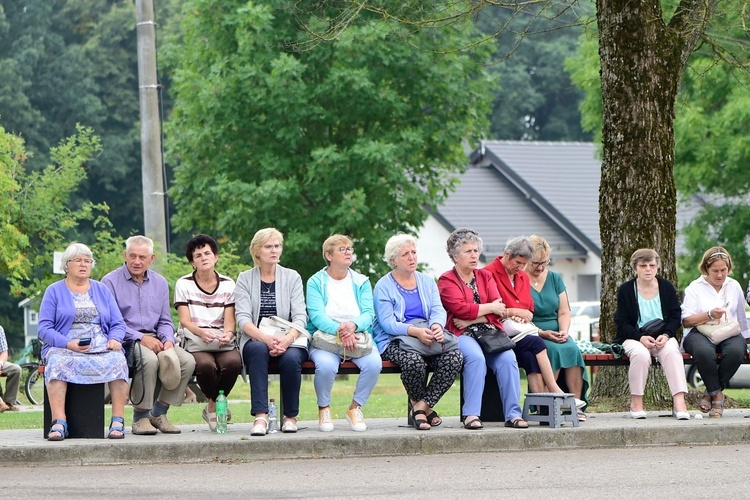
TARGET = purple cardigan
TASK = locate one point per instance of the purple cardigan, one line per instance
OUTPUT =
(58, 311)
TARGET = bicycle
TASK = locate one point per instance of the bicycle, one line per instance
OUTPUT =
(34, 385)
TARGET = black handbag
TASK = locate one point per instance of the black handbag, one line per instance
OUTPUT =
(654, 328)
(490, 339)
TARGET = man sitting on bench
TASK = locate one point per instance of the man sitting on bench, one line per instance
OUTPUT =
(143, 298)
(12, 374)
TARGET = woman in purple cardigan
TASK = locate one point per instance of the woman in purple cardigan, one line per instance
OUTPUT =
(82, 330)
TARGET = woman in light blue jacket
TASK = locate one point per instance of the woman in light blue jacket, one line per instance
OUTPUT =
(407, 304)
(339, 302)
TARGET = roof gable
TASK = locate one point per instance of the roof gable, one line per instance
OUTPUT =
(524, 187)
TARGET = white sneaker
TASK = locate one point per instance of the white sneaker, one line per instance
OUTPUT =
(325, 422)
(355, 418)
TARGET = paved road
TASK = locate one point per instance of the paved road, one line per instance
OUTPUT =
(683, 472)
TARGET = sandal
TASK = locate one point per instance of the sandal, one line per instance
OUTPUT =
(431, 419)
(419, 423)
(259, 429)
(717, 408)
(210, 419)
(517, 423)
(116, 428)
(62, 430)
(469, 424)
(581, 416)
(705, 404)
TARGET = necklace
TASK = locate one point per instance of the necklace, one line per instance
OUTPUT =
(266, 290)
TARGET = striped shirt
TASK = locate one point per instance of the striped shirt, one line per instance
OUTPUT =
(206, 308)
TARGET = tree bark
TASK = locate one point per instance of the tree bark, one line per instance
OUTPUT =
(642, 61)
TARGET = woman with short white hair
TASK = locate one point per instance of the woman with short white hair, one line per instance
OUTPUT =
(407, 306)
(82, 330)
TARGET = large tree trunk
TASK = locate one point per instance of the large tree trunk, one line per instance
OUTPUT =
(642, 60)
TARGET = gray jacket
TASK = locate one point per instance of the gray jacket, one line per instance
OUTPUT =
(290, 302)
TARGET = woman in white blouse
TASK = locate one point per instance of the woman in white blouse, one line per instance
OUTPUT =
(708, 298)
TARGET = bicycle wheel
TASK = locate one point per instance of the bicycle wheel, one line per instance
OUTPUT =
(34, 387)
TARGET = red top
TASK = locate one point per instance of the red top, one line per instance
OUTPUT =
(518, 297)
(458, 298)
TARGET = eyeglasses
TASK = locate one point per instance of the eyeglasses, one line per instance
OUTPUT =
(88, 262)
(346, 249)
(540, 264)
(277, 246)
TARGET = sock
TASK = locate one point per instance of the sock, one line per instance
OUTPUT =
(139, 414)
(159, 409)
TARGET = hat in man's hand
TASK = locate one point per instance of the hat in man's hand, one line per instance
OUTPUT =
(169, 369)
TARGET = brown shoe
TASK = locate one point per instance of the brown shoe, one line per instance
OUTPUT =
(3, 406)
(142, 427)
(164, 425)
(13, 407)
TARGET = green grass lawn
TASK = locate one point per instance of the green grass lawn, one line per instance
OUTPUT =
(388, 400)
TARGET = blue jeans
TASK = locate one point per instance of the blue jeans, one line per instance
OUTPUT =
(505, 367)
(327, 366)
(257, 357)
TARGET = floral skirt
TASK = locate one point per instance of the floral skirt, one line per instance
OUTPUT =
(79, 368)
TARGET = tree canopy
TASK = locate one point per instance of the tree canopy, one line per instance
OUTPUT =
(354, 137)
(64, 63)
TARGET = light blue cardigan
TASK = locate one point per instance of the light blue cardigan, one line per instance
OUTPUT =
(390, 308)
(317, 298)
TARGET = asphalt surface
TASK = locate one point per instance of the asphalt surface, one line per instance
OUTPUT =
(653, 473)
(384, 437)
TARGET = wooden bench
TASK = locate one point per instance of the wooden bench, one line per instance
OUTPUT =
(610, 360)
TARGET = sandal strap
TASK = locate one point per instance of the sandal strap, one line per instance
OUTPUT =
(117, 428)
(61, 423)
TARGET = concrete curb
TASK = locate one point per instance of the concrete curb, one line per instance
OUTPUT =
(385, 437)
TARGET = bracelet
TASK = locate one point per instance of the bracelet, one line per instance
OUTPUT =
(229, 331)
(709, 314)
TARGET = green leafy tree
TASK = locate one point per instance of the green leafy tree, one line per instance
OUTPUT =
(537, 100)
(38, 217)
(713, 152)
(66, 62)
(354, 137)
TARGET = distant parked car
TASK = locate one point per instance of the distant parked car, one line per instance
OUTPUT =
(741, 379)
(584, 322)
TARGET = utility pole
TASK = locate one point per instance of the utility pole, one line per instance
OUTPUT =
(154, 217)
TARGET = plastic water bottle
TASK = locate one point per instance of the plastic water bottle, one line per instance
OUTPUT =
(221, 413)
(273, 417)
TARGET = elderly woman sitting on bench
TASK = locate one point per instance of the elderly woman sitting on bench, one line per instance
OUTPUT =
(82, 330)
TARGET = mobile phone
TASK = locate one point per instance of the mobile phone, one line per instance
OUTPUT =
(84, 342)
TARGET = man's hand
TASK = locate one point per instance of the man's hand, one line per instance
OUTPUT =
(152, 343)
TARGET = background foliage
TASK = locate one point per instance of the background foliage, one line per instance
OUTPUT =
(355, 137)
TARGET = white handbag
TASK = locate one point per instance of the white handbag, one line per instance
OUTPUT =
(276, 327)
(717, 331)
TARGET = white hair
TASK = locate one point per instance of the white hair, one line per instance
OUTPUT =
(139, 240)
(74, 250)
(393, 247)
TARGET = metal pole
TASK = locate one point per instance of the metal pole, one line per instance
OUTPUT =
(151, 159)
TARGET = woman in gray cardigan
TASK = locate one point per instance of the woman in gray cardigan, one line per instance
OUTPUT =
(266, 290)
